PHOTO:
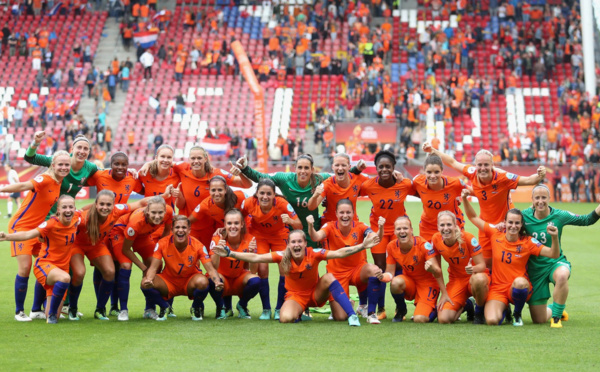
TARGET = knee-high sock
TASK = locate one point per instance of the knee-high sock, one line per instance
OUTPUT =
(264, 294)
(373, 289)
(57, 295)
(363, 298)
(519, 297)
(199, 296)
(400, 303)
(557, 310)
(39, 296)
(114, 296)
(339, 295)
(104, 290)
(20, 292)
(381, 302)
(281, 291)
(153, 296)
(217, 296)
(123, 287)
(227, 301)
(250, 290)
(170, 301)
(75, 292)
(97, 280)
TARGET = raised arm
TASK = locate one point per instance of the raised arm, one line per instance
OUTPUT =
(534, 179)
(369, 242)
(316, 236)
(18, 187)
(294, 223)
(316, 199)
(470, 212)
(254, 175)
(239, 178)
(32, 157)
(447, 159)
(19, 236)
(554, 251)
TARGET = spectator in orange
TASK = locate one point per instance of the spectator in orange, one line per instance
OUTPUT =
(144, 12)
(130, 140)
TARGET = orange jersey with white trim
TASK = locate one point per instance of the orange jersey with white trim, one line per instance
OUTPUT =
(509, 259)
(37, 204)
(228, 266)
(196, 189)
(336, 240)
(103, 180)
(333, 193)
(154, 187)
(494, 198)
(83, 238)
(303, 277)
(57, 240)
(269, 225)
(458, 255)
(209, 211)
(434, 201)
(387, 202)
(180, 264)
(412, 262)
(134, 225)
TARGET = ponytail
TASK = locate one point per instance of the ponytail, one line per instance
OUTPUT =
(231, 198)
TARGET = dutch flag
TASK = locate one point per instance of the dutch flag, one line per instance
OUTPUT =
(146, 38)
(215, 146)
(55, 9)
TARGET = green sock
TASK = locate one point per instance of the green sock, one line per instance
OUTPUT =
(557, 310)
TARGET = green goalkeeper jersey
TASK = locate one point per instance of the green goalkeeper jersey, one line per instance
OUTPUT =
(537, 229)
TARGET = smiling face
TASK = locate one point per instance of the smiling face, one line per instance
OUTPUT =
(217, 191)
(514, 222)
(119, 166)
(344, 214)
(265, 195)
(484, 165)
(164, 157)
(385, 168)
(403, 230)
(433, 172)
(80, 151)
(304, 170)
(181, 230)
(155, 213)
(297, 245)
(447, 227)
(233, 223)
(61, 166)
(197, 160)
(540, 199)
(105, 205)
(65, 210)
(340, 166)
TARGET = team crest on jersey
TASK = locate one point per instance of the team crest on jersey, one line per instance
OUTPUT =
(39, 179)
(43, 224)
(520, 248)
(355, 236)
(355, 188)
(83, 180)
(155, 247)
(130, 231)
(397, 193)
(446, 196)
(275, 218)
(190, 260)
(127, 188)
(495, 187)
(511, 176)
(461, 250)
(474, 242)
(308, 266)
(471, 170)
(416, 259)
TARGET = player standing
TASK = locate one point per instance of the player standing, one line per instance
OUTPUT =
(13, 177)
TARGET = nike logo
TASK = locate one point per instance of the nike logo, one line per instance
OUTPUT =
(498, 241)
(169, 255)
(104, 185)
(374, 193)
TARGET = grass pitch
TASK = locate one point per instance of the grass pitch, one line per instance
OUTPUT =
(234, 344)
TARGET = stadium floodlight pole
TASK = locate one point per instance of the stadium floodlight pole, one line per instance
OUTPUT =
(259, 105)
(587, 33)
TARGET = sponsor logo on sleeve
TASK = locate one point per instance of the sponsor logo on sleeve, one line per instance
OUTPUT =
(156, 247)
(130, 231)
(39, 179)
(511, 176)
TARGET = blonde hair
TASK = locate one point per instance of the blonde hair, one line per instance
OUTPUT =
(207, 166)
(458, 236)
(485, 152)
(154, 165)
(93, 221)
(50, 170)
(155, 200)
(286, 261)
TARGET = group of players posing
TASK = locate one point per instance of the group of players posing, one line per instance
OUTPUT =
(235, 237)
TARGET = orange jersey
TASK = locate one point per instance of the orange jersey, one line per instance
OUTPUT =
(509, 259)
(209, 211)
(336, 240)
(180, 264)
(37, 204)
(436, 201)
(228, 266)
(134, 224)
(457, 256)
(195, 189)
(333, 193)
(303, 277)
(83, 239)
(153, 187)
(387, 202)
(494, 198)
(412, 262)
(103, 180)
(269, 225)
(57, 241)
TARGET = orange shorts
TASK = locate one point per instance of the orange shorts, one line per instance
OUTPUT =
(459, 290)
(41, 270)
(486, 245)
(503, 293)
(304, 299)
(177, 286)
(425, 294)
(91, 251)
(348, 278)
(29, 247)
(264, 246)
(234, 286)
(381, 247)
(144, 246)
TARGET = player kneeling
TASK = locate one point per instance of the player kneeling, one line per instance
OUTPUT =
(181, 275)
(300, 264)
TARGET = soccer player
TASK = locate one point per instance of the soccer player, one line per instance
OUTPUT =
(438, 193)
(467, 274)
(542, 270)
(421, 279)
(181, 275)
(160, 175)
(301, 267)
(135, 231)
(237, 280)
(208, 216)
(353, 270)
(491, 187)
(13, 178)
(44, 192)
(52, 266)
(387, 196)
(510, 251)
(343, 185)
(117, 179)
(269, 216)
(296, 187)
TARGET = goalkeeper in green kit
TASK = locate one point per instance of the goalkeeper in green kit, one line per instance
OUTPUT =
(542, 270)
